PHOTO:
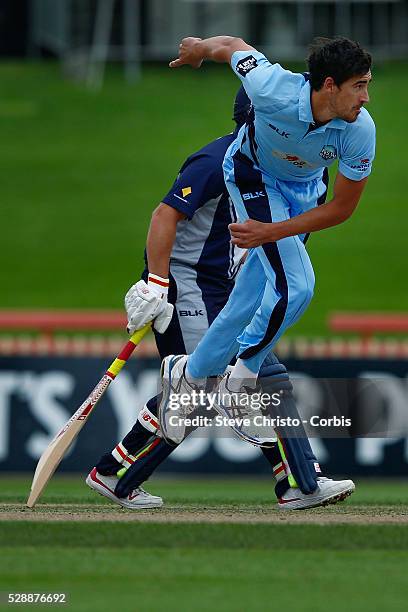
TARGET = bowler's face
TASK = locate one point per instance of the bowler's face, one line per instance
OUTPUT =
(349, 98)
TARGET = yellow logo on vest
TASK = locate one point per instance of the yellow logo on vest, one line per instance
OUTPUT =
(186, 191)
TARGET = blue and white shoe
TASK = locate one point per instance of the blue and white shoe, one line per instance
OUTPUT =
(243, 412)
(172, 412)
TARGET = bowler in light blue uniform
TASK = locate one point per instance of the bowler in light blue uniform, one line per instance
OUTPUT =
(273, 172)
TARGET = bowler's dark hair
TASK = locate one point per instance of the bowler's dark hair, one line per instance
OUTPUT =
(339, 58)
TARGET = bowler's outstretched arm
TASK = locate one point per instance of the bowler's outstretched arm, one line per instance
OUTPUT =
(193, 51)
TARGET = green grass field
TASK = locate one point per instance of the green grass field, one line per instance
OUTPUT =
(217, 544)
(82, 171)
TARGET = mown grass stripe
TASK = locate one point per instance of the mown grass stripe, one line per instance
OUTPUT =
(221, 536)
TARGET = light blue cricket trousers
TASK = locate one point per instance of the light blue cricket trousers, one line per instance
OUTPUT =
(276, 283)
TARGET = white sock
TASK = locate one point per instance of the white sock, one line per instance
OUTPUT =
(241, 374)
(199, 382)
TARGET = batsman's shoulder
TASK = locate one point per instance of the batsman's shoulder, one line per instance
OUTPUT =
(212, 154)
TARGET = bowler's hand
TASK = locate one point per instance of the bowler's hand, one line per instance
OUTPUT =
(188, 54)
(251, 233)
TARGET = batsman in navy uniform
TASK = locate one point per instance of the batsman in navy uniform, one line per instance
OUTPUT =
(192, 264)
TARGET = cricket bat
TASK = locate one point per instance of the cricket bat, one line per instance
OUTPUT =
(55, 451)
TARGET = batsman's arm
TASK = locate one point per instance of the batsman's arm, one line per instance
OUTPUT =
(346, 195)
(145, 302)
(193, 51)
(161, 237)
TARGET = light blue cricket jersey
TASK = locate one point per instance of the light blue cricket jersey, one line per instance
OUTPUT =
(280, 140)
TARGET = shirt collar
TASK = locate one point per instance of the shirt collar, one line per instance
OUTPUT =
(305, 111)
(338, 124)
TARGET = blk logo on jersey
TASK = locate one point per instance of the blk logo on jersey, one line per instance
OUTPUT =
(328, 152)
(253, 195)
(246, 65)
(278, 131)
(191, 313)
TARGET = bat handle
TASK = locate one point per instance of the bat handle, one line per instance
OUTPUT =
(116, 366)
(139, 334)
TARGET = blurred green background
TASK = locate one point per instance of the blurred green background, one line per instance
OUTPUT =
(83, 170)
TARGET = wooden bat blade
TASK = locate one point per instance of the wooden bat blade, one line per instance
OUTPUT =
(55, 451)
(50, 460)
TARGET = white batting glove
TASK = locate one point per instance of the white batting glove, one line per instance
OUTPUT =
(162, 321)
(148, 302)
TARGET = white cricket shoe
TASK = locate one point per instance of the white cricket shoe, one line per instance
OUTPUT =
(172, 413)
(328, 492)
(138, 499)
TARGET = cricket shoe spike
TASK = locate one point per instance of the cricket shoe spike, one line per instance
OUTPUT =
(243, 412)
(328, 492)
(138, 499)
(172, 412)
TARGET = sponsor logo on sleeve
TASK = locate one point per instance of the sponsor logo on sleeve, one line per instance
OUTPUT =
(328, 152)
(246, 65)
(363, 166)
(186, 191)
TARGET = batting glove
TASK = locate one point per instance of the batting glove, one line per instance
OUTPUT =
(148, 302)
